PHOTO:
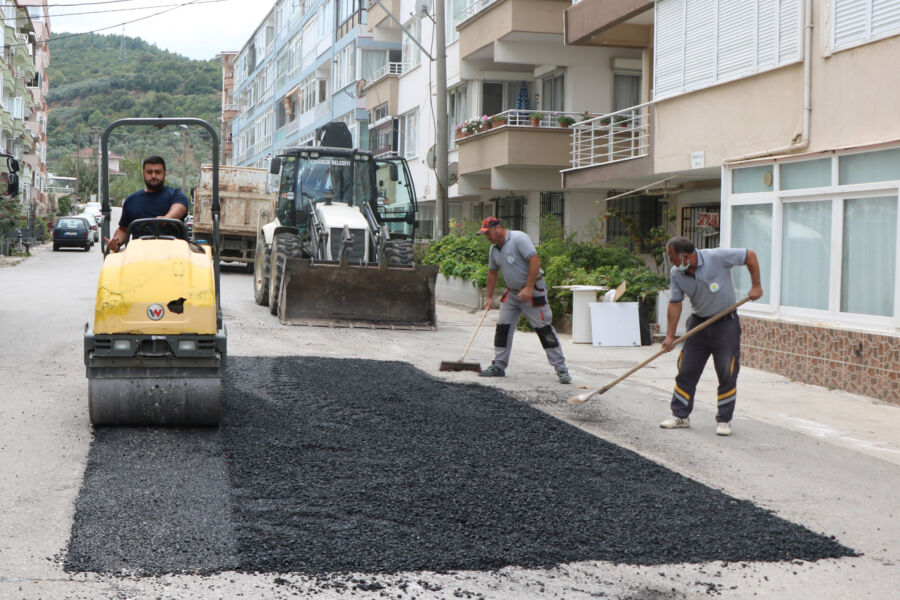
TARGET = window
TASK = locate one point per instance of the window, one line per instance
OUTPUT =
(412, 56)
(371, 61)
(497, 97)
(553, 92)
(626, 83)
(345, 67)
(700, 224)
(323, 21)
(380, 112)
(308, 44)
(553, 204)
(641, 212)
(806, 251)
(834, 249)
(699, 43)
(457, 107)
(511, 212)
(409, 135)
(308, 93)
(452, 16)
(855, 22)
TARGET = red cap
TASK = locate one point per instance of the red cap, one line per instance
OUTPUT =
(488, 223)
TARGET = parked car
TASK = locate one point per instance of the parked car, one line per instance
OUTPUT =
(73, 232)
(94, 213)
(189, 223)
(95, 224)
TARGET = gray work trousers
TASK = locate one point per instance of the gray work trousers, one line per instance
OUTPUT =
(538, 313)
(722, 339)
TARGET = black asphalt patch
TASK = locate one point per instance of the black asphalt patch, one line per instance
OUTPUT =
(337, 466)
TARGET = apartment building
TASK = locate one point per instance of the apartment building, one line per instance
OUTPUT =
(505, 59)
(296, 73)
(23, 118)
(769, 124)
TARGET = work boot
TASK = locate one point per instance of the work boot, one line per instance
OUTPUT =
(564, 376)
(676, 423)
(493, 371)
(723, 428)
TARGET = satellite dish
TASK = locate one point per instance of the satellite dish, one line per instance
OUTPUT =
(422, 7)
(361, 88)
(452, 173)
(430, 158)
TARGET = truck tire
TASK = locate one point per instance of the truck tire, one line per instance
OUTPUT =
(284, 246)
(262, 270)
(399, 252)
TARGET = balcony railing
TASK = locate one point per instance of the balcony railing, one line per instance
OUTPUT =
(517, 118)
(473, 8)
(392, 68)
(621, 135)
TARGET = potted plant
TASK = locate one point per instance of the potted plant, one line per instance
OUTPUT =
(459, 131)
(498, 120)
(604, 121)
(585, 116)
(471, 126)
(564, 121)
(536, 118)
(485, 122)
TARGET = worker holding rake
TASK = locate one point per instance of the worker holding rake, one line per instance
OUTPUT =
(513, 253)
(705, 277)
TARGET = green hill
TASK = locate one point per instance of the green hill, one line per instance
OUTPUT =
(95, 79)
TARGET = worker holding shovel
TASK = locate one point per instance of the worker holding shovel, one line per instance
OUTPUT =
(705, 277)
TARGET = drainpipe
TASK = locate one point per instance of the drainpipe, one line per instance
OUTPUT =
(803, 141)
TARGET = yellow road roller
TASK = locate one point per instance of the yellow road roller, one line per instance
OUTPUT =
(157, 351)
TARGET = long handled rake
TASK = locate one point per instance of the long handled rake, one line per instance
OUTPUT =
(582, 398)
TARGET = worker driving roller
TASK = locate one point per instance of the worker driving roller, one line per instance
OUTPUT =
(156, 200)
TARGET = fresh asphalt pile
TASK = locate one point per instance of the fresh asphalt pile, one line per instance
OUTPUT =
(325, 466)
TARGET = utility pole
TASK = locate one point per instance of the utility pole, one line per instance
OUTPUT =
(442, 208)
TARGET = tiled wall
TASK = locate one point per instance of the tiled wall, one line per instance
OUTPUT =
(860, 363)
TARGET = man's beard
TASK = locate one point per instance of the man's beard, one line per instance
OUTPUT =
(154, 188)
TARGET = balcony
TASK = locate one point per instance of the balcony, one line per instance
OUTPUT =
(611, 146)
(377, 14)
(487, 21)
(619, 23)
(383, 86)
(517, 140)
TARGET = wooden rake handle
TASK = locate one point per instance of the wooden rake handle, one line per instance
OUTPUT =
(582, 398)
(472, 339)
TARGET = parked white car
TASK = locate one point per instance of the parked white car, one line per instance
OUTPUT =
(93, 213)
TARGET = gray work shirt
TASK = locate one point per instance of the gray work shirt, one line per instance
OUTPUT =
(512, 259)
(710, 287)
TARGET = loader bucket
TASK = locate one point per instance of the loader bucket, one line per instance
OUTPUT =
(324, 293)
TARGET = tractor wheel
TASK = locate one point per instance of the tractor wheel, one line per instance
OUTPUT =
(261, 272)
(284, 246)
(399, 252)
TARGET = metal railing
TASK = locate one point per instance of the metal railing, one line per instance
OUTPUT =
(522, 118)
(391, 68)
(388, 154)
(609, 138)
(473, 8)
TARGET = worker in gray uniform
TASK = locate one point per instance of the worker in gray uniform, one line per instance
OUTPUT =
(513, 253)
(705, 277)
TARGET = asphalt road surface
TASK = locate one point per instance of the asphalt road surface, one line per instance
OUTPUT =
(346, 464)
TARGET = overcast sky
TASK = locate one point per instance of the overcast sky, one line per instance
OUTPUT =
(199, 30)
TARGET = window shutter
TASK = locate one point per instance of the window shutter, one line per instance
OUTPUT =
(737, 42)
(669, 48)
(790, 31)
(849, 22)
(885, 17)
(700, 44)
(767, 33)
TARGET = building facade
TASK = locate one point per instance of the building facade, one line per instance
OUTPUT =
(298, 72)
(770, 125)
(23, 118)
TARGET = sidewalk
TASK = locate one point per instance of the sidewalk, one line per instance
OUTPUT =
(860, 423)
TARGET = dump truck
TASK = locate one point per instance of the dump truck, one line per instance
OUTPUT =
(157, 349)
(242, 198)
(339, 252)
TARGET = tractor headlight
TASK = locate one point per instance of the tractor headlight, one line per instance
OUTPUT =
(122, 345)
(187, 345)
